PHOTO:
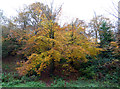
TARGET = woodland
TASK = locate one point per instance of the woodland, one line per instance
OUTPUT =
(38, 52)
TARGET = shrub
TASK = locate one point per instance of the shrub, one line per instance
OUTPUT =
(115, 49)
(11, 44)
(58, 83)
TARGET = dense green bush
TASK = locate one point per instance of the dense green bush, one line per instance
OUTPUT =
(58, 83)
(8, 46)
(11, 43)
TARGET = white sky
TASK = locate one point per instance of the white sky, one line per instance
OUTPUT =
(82, 9)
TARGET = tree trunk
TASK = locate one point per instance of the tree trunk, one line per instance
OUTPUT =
(52, 66)
(119, 24)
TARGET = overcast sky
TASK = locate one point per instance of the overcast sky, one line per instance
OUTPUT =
(82, 9)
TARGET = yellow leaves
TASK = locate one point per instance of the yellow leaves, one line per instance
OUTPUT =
(67, 69)
(113, 44)
(70, 45)
(115, 49)
(56, 55)
(65, 65)
(46, 59)
(39, 11)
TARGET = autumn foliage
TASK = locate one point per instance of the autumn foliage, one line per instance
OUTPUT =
(48, 46)
(66, 48)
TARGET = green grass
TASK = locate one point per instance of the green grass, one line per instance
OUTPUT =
(27, 84)
(82, 83)
(10, 81)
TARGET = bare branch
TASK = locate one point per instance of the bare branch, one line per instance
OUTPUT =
(115, 6)
(112, 14)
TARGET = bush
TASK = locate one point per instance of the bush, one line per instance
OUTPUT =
(11, 43)
(11, 79)
(58, 83)
(7, 77)
(115, 50)
(88, 72)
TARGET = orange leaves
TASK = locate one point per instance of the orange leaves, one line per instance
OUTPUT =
(115, 48)
(114, 44)
(72, 48)
(67, 69)
(43, 49)
(75, 53)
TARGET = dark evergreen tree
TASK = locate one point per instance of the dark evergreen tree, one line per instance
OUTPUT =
(106, 37)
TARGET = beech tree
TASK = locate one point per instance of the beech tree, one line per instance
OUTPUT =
(32, 15)
(45, 50)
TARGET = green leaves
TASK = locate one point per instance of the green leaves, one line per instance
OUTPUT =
(105, 35)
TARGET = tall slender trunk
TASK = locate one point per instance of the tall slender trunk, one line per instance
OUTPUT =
(52, 66)
(119, 35)
(96, 36)
(119, 24)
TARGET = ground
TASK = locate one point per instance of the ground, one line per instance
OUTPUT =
(12, 79)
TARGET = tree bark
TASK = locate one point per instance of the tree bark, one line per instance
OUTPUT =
(119, 24)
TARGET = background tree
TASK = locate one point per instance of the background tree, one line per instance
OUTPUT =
(106, 35)
(95, 24)
(119, 24)
(115, 45)
(31, 15)
(116, 13)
